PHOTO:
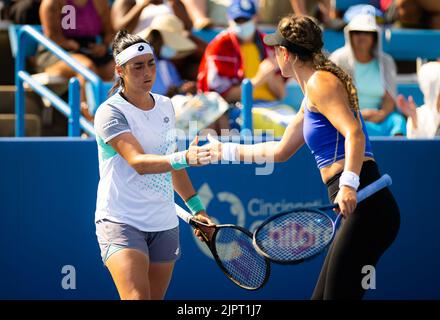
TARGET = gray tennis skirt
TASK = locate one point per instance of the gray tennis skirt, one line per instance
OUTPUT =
(161, 246)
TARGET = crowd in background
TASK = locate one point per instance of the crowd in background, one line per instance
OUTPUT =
(187, 66)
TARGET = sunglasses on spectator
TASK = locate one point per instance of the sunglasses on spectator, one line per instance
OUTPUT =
(361, 32)
(241, 20)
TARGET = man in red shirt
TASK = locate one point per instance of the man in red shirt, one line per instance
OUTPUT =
(238, 53)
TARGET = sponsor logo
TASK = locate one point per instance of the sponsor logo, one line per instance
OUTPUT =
(110, 124)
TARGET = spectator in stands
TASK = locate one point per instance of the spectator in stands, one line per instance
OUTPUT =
(372, 8)
(238, 53)
(323, 10)
(136, 15)
(414, 13)
(374, 73)
(424, 121)
(198, 10)
(88, 42)
(4, 10)
(25, 11)
(169, 40)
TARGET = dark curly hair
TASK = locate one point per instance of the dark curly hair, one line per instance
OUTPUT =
(122, 41)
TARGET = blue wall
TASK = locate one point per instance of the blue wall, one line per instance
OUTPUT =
(47, 201)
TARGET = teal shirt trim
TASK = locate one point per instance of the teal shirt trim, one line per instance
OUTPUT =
(112, 248)
(369, 84)
(105, 150)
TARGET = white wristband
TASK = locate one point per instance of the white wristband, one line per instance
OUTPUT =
(349, 179)
(229, 151)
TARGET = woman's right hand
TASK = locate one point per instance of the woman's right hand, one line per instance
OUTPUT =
(197, 156)
(215, 149)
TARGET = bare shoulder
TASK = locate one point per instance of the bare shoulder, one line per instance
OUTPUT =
(323, 81)
(324, 87)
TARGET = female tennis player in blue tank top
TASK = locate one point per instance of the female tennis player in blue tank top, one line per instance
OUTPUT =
(330, 123)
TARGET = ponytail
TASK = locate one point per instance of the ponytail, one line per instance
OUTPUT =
(119, 83)
(323, 63)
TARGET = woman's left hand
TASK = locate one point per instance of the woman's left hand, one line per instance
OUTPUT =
(202, 216)
(347, 200)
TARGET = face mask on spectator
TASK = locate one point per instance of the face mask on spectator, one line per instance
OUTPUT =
(167, 52)
(245, 30)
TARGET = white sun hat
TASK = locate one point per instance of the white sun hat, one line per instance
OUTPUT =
(173, 33)
(363, 22)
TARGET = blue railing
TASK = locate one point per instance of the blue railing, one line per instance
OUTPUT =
(247, 103)
(71, 109)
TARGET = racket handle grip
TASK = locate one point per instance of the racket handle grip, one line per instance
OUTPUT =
(183, 214)
(188, 218)
(372, 188)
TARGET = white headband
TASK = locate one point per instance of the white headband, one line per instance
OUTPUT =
(132, 52)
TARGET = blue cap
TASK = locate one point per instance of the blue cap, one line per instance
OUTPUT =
(242, 9)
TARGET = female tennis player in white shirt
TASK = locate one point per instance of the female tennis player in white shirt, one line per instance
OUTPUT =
(136, 222)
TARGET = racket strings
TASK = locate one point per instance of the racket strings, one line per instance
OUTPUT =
(238, 256)
(295, 236)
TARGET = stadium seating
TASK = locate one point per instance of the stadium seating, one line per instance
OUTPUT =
(294, 94)
(401, 44)
(410, 44)
(342, 5)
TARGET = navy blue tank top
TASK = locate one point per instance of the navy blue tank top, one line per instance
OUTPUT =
(324, 141)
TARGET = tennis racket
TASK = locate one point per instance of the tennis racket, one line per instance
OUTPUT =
(232, 248)
(301, 234)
